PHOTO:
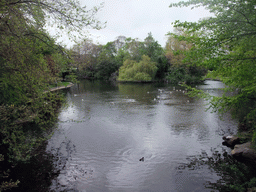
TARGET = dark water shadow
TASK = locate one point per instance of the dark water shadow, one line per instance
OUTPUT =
(234, 176)
(62, 155)
(37, 173)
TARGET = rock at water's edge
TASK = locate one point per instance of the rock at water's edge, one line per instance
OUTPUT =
(244, 152)
(230, 141)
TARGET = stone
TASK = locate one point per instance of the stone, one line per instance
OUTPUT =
(244, 152)
(230, 141)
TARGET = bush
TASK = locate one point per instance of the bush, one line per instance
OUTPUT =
(186, 74)
(145, 70)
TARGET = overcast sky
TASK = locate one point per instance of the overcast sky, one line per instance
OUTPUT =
(136, 18)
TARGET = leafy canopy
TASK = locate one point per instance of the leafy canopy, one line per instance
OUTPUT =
(225, 44)
(181, 69)
(145, 70)
(29, 61)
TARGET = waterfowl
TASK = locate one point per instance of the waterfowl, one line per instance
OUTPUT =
(142, 159)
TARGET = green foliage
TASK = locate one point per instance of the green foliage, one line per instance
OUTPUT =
(142, 76)
(105, 69)
(85, 56)
(181, 71)
(5, 185)
(107, 63)
(134, 49)
(145, 70)
(177, 75)
(121, 56)
(103, 61)
(152, 48)
(24, 127)
(254, 138)
(185, 74)
(30, 60)
(162, 67)
(225, 44)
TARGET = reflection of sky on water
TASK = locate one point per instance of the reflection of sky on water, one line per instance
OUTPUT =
(112, 127)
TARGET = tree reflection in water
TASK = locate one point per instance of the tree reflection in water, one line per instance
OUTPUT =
(235, 176)
(39, 173)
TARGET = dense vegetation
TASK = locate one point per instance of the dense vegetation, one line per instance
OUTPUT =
(144, 70)
(127, 59)
(222, 46)
(225, 44)
(30, 60)
(181, 70)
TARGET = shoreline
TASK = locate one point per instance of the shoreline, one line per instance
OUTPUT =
(60, 87)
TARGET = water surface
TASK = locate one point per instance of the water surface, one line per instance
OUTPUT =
(107, 128)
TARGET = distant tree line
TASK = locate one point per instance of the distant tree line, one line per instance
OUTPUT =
(127, 59)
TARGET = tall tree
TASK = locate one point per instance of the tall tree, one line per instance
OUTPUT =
(24, 41)
(86, 56)
(30, 60)
(175, 48)
(152, 48)
(180, 69)
(134, 48)
(119, 42)
(225, 43)
(107, 64)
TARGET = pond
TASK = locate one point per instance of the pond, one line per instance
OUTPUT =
(136, 137)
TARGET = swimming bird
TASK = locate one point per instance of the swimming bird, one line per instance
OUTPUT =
(142, 159)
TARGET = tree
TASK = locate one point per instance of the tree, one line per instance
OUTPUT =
(25, 18)
(119, 42)
(175, 48)
(180, 69)
(110, 57)
(134, 48)
(225, 44)
(107, 64)
(29, 61)
(145, 70)
(152, 48)
(86, 56)
(24, 42)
